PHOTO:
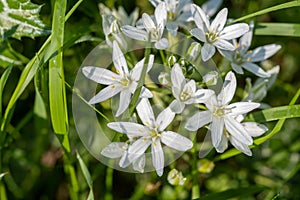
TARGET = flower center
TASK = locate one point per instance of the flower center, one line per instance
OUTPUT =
(185, 95)
(154, 133)
(238, 58)
(125, 81)
(154, 34)
(212, 36)
(219, 112)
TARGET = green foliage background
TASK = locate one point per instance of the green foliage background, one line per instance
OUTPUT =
(39, 160)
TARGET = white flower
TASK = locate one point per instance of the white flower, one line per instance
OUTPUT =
(242, 58)
(120, 150)
(214, 34)
(152, 133)
(124, 81)
(221, 114)
(152, 28)
(186, 92)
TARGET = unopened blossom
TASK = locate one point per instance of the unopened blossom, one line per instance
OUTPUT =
(123, 82)
(243, 58)
(152, 133)
(152, 29)
(120, 150)
(186, 92)
(222, 117)
(215, 34)
(211, 78)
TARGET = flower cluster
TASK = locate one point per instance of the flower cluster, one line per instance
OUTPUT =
(224, 119)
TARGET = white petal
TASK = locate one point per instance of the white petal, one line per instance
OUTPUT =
(135, 33)
(124, 102)
(100, 75)
(223, 44)
(124, 161)
(264, 52)
(240, 146)
(198, 120)
(176, 141)
(220, 20)
(148, 22)
(200, 18)
(145, 113)
(238, 131)
(139, 164)
(217, 128)
(161, 15)
(228, 89)
(129, 128)
(157, 157)
(245, 41)
(207, 51)
(234, 31)
(199, 34)
(202, 95)
(237, 68)
(114, 150)
(223, 144)
(239, 108)
(255, 69)
(227, 54)
(164, 119)
(137, 70)
(119, 59)
(177, 77)
(210, 7)
(172, 27)
(145, 93)
(177, 106)
(138, 148)
(162, 44)
(255, 129)
(105, 94)
(155, 2)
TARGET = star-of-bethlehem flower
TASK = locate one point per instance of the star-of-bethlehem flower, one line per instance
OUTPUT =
(152, 28)
(221, 114)
(241, 58)
(215, 35)
(186, 92)
(120, 150)
(123, 81)
(151, 133)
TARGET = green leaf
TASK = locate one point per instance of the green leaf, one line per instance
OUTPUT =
(271, 9)
(57, 91)
(21, 18)
(86, 175)
(39, 105)
(278, 29)
(239, 192)
(3, 81)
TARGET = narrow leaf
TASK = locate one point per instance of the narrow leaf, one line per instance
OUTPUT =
(278, 29)
(3, 81)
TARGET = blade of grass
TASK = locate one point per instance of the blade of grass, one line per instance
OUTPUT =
(3, 81)
(271, 9)
(278, 29)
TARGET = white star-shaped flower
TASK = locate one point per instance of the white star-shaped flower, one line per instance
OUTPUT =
(215, 34)
(241, 58)
(186, 92)
(152, 28)
(123, 81)
(152, 133)
(221, 114)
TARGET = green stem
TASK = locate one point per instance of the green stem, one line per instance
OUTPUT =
(196, 186)
(108, 183)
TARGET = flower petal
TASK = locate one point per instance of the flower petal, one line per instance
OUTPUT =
(177, 77)
(223, 144)
(145, 93)
(100, 75)
(119, 59)
(219, 22)
(255, 129)
(239, 108)
(139, 164)
(125, 96)
(105, 94)
(162, 44)
(176, 141)
(129, 128)
(160, 14)
(164, 119)
(228, 89)
(245, 42)
(264, 52)
(148, 22)
(124, 161)
(138, 148)
(135, 33)
(199, 34)
(237, 130)
(210, 7)
(137, 70)
(229, 55)
(157, 157)
(234, 31)
(207, 51)
(223, 44)
(145, 113)
(200, 18)
(202, 95)
(240, 146)
(217, 128)
(177, 106)
(255, 69)
(237, 68)
(198, 120)
(114, 149)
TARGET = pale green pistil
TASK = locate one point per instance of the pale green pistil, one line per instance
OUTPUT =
(212, 36)
(125, 81)
(219, 112)
(238, 58)
(185, 96)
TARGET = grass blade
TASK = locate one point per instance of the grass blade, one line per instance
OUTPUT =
(278, 29)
